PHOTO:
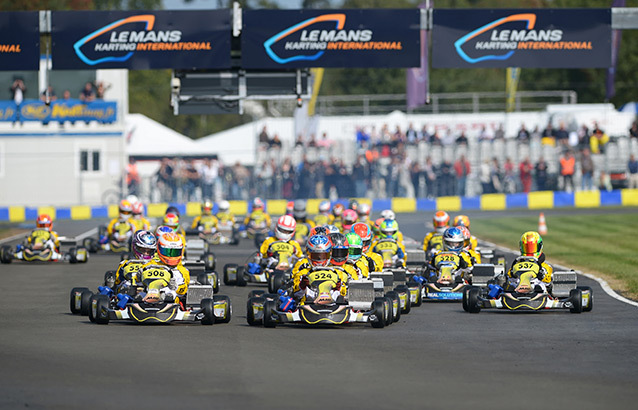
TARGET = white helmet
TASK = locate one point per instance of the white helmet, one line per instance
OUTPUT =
(388, 214)
(223, 206)
(285, 228)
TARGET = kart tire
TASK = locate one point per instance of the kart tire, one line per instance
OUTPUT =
(576, 297)
(101, 312)
(90, 244)
(82, 250)
(589, 307)
(203, 279)
(256, 293)
(465, 294)
(209, 261)
(227, 280)
(270, 296)
(269, 311)
(214, 279)
(387, 309)
(5, 254)
(85, 302)
(408, 305)
(228, 312)
(473, 299)
(76, 291)
(394, 299)
(241, 280)
(73, 257)
(250, 313)
(276, 282)
(109, 279)
(419, 296)
(208, 308)
(92, 302)
(378, 309)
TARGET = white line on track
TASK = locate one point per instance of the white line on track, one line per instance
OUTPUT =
(77, 238)
(11, 238)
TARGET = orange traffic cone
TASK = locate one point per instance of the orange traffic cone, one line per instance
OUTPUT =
(542, 226)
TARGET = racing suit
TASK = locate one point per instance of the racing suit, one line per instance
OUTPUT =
(460, 259)
(322, 219)
(257, 216)
(176, 286)
(433, 239)
(391, 251)
(141, 223)
(543, 271)
(272, 246)
(224, 217)
(119, 232)
(361, 266)
(127, 274)
(205, 223)
(303, 229)
(299, 285)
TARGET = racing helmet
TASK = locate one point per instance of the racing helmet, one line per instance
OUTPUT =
(466, 236)
(170, 248)
(388, 214)
(461, 220)
(332, 229)
(440, 221)
(162, 229)
(453, 239)
(144, 245)
(285, 228)
(223, 206)
(172, 210)
(171, 220)
(290, 207)
(376, 226)
(126, 209)
(299, 209)
(133, 199)
(207, 207)
(389, 229)
(324, 207)
(348, 218)
(531, 244)
(364, 211)
(364, 232)
(258, 204)
(339, 248)
(353, 204)
(138, 209)
(318, 230)
(319, 248)
(337, 210)
(355, 247)
(44, 221)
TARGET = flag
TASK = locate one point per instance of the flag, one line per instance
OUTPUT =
(417, 79)
(616, 35)
(511, 84)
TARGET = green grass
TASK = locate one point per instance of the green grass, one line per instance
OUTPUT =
(603, 244)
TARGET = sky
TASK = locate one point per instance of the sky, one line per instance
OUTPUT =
(210, 4)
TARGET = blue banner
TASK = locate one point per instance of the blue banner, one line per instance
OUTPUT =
(330, 38)
(19, 41)
(67, 110)
(141, 40)
(527, 38)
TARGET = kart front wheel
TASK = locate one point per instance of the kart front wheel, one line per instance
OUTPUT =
(403, 289)
(395, 305)
(228, 308)
(590, 305)
(85, 302)
(241, 280)
(270, 320)
(378, 310)
(208, 309)
(473, 303)
(275, 282)
(253, 301)
(228, 268)
(5, 254)
(203, 279)
(576, 298)
(209, 261)
(99, 311)
(75, 302)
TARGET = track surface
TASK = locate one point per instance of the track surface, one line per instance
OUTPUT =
(436, 357)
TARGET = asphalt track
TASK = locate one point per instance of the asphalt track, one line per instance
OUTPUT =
(438, 356)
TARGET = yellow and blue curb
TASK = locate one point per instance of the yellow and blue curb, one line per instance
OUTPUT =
(487, 202)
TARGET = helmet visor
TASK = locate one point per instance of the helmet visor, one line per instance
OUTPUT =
(148, 252)
(355, 252)
(339, 254)
(319, 256)
(285, 231)
(170, 252)
(530, 247)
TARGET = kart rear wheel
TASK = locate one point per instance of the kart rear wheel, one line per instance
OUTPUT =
(227, 280)
(209, 261)
(214, 279)
(109, 279)
(208, 309)
(419, 297)
(5, 254)
(465, 294)
(82, 254)
(228, 311)
(250, 311)
(241, 280)
(73, 257)
(576, 298)
(203, 279)
(387, 303)
(76, 294)
(85, 302)
(269, 311)
(394, 301)
(99, 311)
(473, 294)
(378, 310)
(276, 282)
(408, 305)
(589, 306)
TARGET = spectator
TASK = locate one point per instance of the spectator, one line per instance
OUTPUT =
(325, 142)
(166, 176)
(484, 135)
(239, 182)
(523, 135)
(87, 94)
(598, 141)
(562, 136)
(266, 178)
(287, 177)
(541, 174)
(583, 137)
(411, 135)
(632, 166)
(462, 139)
(362, 137)
(495, 176)
(424, 135)
(299, 141)
(359, 174)
(525, 172)
(486, 180)
(18, 91)
(415, 176)
(435, 139)
(499, 134)
(587, 169)
(548, 136)
(276, 142)
(48, 95)
(448, 139)
(633, 131)
(209, 173)
(66, 95)
(192, 180)
(509, 181)
(446, 179)
(462, 169)
(567, 167)
(430, 178)
(132, 177)
(313, 141)
(101, 90)
(264, 139)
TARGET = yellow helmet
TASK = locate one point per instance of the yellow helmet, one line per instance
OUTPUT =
(531, 244)
(462, 220)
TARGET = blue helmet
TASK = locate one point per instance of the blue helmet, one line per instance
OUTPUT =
(453, 239)
(144, 244)
(319, 249)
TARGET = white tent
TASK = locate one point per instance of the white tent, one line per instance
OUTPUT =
(148, 138)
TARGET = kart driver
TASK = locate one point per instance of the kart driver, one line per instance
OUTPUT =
(120, 229)
(172, 220)
(531, 246)
(144, 244)
(475, 257)
(323, 217)
(463, 220)
(434, 239)
(387, 244)
(224, 215)
(348, 218)
(42, 238)
(282, 242)
(304, 225)
(373, 260)
(452, 252)
(337, 210)
(257, 216)
(319, 250)
(138, 219)
(170, 250)
(339, 256)
(206, 222)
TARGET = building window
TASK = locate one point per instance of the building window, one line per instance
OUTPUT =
(90, 160)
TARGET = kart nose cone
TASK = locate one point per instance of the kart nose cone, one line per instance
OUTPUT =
(323, 299)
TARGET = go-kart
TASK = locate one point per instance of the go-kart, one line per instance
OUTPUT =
(257, 230)
(275, 271)
(322, 304)
(525, 292)
(39, 252)
(199, 303)
(119, 242)
(444, 282)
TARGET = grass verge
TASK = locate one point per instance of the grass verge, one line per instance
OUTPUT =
(602, 244)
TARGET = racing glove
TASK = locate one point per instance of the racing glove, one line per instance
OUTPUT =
(541, 274)
(304, 282)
